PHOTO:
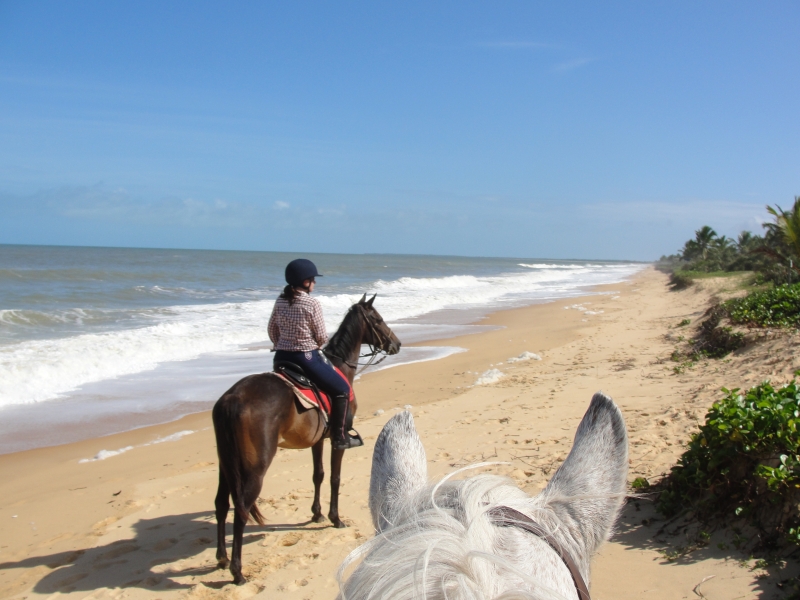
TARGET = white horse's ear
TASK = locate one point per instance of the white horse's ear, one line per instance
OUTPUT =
(399, 469)
(587, 491)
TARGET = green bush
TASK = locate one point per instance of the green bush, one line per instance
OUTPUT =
(745, 460)
(680, 281)
(777, 307)
(714, 340)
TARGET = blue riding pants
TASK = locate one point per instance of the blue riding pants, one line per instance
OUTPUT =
(318, 369)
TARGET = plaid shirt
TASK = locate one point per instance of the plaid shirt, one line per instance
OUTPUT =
(297, 327)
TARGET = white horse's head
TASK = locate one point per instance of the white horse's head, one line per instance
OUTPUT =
(445, 541)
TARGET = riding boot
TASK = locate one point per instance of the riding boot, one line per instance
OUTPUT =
(341, 438)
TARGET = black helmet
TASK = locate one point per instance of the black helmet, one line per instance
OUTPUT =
(299, 270)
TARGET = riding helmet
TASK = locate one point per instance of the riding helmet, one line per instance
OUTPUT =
(299, 270)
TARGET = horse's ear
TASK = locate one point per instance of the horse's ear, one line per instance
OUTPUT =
(363, 299)
(587, 491)
(371, 300)
(399, 469)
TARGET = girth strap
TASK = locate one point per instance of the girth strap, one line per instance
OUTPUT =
(508, 517)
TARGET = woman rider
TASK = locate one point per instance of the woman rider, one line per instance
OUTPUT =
(297, 331)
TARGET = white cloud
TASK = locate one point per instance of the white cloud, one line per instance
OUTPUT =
(514, 44)
(281, 205)
(571, 65)
(119, 205)
(331, 211)
(726, 217)
(694, 209)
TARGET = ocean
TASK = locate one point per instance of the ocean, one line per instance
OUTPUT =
(94, 341)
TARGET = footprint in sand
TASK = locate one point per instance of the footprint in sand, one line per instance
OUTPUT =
(100, 526)
(106, 565)
(68, 559)
(118, 551)
(165, 544)
(297, 584)
(68, 581)
(291, 538)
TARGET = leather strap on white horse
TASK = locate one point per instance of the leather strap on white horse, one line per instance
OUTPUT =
(508, 517)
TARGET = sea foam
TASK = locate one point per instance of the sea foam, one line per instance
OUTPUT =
(36, 370)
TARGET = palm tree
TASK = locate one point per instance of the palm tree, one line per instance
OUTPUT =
(721, 252)
(745, 241)
(700, 245)
(704, 238)
(787, 223)
(783, 236)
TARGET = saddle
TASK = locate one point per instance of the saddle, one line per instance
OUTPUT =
(307, 392)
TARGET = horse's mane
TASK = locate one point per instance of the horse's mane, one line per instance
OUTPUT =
(346, 336)
(444, 545)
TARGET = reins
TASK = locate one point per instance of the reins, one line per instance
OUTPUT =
(508, 517)
(374, 349)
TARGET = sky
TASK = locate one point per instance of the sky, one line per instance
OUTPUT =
(526, 129)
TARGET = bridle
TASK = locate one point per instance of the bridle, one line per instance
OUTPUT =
(375, 349)
(508, 517)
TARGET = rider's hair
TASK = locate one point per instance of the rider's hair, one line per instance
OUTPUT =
(291, 293)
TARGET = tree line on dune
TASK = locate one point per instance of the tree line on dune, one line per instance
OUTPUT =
(774, 256)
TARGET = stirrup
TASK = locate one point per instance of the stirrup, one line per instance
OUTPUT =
(351, 440)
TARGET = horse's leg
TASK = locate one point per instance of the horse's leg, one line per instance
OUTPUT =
(319, 475)
(222, 502)
(336, 477)
(253, 481)
(236, 550)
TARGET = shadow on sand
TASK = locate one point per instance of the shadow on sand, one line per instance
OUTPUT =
(165, 553)
(682, 541)
(178, 552)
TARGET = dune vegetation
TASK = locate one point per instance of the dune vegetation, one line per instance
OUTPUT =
(744, 462)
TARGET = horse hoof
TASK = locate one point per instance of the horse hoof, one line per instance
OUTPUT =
(239, 580)
(223, 563)
(317, 519)
(339, 524)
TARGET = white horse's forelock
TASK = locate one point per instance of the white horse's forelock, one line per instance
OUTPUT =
(444, 545)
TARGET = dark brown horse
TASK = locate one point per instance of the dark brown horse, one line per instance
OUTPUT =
(259, 414)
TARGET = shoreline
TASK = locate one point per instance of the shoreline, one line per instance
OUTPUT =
(142, 522)
(469, 322)
(105, 334)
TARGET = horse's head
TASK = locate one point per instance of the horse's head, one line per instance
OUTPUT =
(378, 334)
(468, 538)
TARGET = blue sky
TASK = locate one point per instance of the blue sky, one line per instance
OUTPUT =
(561, 130)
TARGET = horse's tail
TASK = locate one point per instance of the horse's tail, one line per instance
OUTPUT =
(226, 414)
(256, 514)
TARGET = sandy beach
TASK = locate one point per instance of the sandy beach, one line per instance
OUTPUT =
(140, 524)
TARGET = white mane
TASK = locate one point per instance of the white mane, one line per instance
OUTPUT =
(439, 542)
(444, 545)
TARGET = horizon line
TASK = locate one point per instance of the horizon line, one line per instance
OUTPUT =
(81, 246)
